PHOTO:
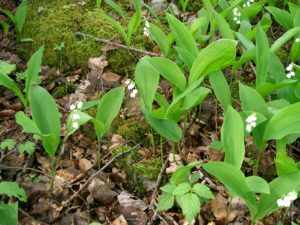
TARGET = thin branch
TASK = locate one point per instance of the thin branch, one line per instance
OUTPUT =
(65, 203)
(80, 34)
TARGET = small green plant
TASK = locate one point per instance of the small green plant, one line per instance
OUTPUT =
(133, 23)
(185, 190)
(59, 48)
(18, 19)
(10, 144)
(31, 75)
(9, 210)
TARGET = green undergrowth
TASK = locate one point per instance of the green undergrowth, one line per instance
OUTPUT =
(52, 22)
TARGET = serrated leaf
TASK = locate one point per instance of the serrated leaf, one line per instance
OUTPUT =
(166, 201)
(6, 68)
(12, 189)
(203, 191)
(190, 205)
(8, 144)
(28, 147)
(182, 189)
(182, 173)
(168, 188)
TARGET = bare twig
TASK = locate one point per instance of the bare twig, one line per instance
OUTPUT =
(115, 44)
(28, 215)
(2, 167)
(65, 203)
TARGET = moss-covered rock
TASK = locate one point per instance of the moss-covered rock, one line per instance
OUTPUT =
(52, 22)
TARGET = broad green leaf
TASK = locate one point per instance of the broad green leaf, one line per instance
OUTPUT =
(183, 36)
(182, 189)
(277, 105)
(9, 214)
(284, 38)
(257, 185)
(232, 136)
(147, 80)
(244, 40)
(27, 124)
(169, 70)
(4, 26)
(117, 8)
(168, 188)
(34, 66)
(165, 202)
(215, 56)
(203, 191)
(251, 100)
(167, 128)
(190, 205)
(268, 88)
(221, 88)
(224, 27)
(276, 70)
(12, 189)
(72, 118)
(182, 173)
(133, 24)
(8, 14)
(293, 7)
(160, 38)
(233, 179)
(282, 17)
(110, 106)
(7, 82)
(247, 56)
(6, 68)
(99, 128)
(161, 100)
(279, 187)
(186, 56)
(262, 55)
(90, 104)
(194, 98)
(284, 164)
(46, 116)
(20, 16)
(283, 123)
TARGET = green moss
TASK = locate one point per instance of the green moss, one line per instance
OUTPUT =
(122, 62)
(63, 90)
(149, 168)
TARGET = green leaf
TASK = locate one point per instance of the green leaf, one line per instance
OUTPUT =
(224, 27)
(251, 100)
(8, 14)
(5, 26)
(282, 17)
(258, 185)
(117, 8)
(232, 136)
(279, 187)
(283, 123)
(182, 173)
(20, 16)
(284, 164)
(165, 202)
(6, 68)
(28, 125)
(132, 26)
(262, 55)
(99, 128)
(28, 147)
(9, 214)
(268, 88)
(84, 118)
(8, 144)
(203, 191)
(215, 56)
(168, 188)
(7, 82)
(190, 205)
(46, 117)
(110, 106)
(186, 56)
(182, 189)
(194, 98)
(12, 189)
(160, 38)
(34, 66)
(117, 25)
(183, 36)
(233, 179)
(284, 38)
(147, 79)
(221, 88)
(169, 70)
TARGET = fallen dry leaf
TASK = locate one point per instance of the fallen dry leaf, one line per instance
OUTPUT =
(84, 165)
(120, 220)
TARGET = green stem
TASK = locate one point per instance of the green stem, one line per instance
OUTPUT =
(52, 175)
(152, 140)
(256, 166)
(99, 153)
(229, 209)
(173, 150)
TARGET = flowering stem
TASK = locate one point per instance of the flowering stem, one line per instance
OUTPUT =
(256, 166)
(99, 153)
(152, 140)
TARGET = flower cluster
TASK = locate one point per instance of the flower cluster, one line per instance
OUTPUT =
(236, 15)
(290, 71)
(75, 116)
(131, 87)
(146, 29)
(287, 200)
(251, 122)
(248, 3)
